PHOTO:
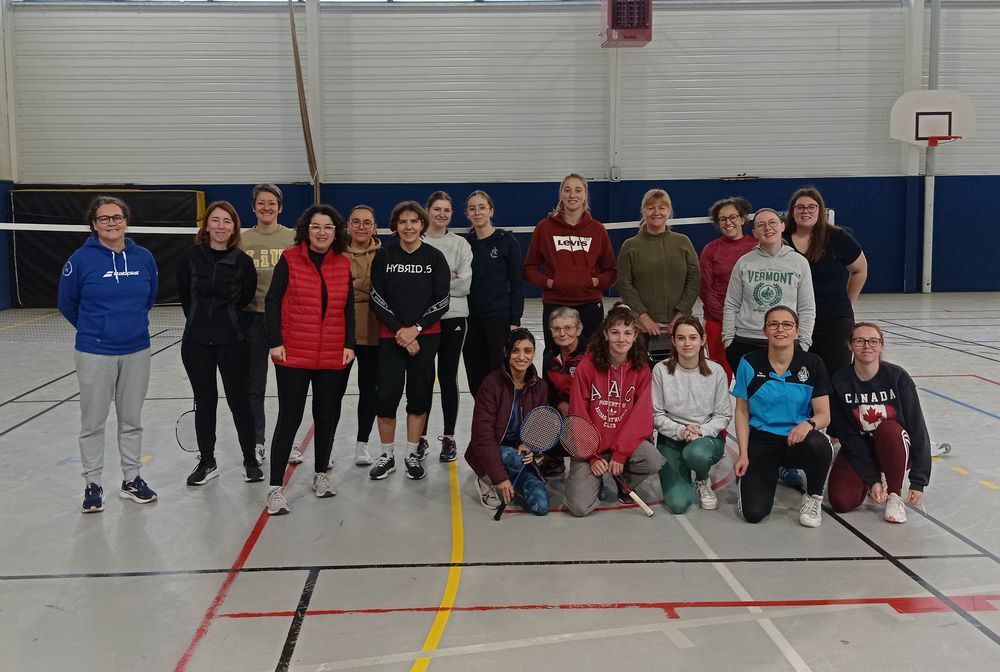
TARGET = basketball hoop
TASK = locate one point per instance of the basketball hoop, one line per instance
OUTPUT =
(935, 140)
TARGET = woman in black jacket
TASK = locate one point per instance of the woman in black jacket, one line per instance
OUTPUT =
(216, 280)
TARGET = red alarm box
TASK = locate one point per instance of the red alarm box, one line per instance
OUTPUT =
(627, 23)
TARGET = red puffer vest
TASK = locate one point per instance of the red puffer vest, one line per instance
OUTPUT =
(314, 341)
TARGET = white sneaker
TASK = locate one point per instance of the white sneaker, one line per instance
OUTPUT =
(296, 456)
(322, 486)
(277, 505)
(706, 495)
(261, 453)
(811, 511)
(895, 509)
(488, 493)
(362, 457)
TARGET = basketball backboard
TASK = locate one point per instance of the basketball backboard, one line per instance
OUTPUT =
(918, 116)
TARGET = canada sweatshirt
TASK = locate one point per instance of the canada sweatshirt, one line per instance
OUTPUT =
(107, 296)
(688, 398)
(760, 282)
(458, 253)
(659, 274)
(570, 256)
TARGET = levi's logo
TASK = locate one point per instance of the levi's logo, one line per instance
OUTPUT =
(571, 243)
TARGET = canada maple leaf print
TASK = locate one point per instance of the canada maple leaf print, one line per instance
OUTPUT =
(872, 416)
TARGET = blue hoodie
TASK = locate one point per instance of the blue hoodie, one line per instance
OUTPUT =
(107, 296)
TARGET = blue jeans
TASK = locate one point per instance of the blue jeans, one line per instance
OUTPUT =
(527, 485)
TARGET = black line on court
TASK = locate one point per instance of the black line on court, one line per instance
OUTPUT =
(63, 401)
(940, 345)
(293, 630)
(448, 565)
(958, 535)
(935, 333)
(923, 583)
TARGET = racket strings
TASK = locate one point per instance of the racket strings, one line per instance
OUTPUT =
(580, 439)
(540, 430)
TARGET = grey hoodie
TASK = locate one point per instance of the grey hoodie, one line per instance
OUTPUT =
(758, 283)
(458, 253)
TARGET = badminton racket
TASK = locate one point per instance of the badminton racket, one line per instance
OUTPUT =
(582, 440)
(184, 430)
(540, 431)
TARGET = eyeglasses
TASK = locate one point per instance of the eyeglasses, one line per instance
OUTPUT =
(770, 224)
(564, 330)
(774, 326)
(106, 219)
(731, 218)
(806, 208)
(325, 228)
(870, 342)
(361, 223)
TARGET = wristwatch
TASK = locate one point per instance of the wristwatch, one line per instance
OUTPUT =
(420, 330)
(811, 422)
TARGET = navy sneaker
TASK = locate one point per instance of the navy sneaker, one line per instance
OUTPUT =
(792, 478)
(93, 499)
(449, 451)
(137, 491)
(422, 448)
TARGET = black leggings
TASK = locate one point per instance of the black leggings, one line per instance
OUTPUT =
(483, 350)
(397, 368)
(367, 359)
(258, 362)
(830, 343)
(449, 352)
(739, 348)
(768, 452)
(328, 387)
(201, 362)
(591, 314)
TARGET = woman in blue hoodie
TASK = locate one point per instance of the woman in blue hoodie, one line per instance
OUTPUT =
(106, 291)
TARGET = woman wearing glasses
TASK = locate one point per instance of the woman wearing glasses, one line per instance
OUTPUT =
(782, 401)
(310, 328)
(839, 270)
(717, 261)
(216, 280)
(559, 365)
(361, 252)
(106, 291)
(771, 274)
(458, 253)
(877, 417)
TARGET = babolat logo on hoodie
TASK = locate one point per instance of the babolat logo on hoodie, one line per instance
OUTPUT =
(571, 243)
(119, 274)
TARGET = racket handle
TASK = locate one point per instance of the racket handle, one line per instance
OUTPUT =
(642, 505)
(500, 510)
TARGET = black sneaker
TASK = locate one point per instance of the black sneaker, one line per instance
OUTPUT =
(414, 469)
(449, 451)
(203, 473)
(93, 499)
(384, 466)
(137, 491)
(552, 467)
(252, 473)
(422, 448)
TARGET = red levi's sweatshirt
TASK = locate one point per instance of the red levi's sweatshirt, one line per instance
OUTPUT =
(618, 402)
(571, 256)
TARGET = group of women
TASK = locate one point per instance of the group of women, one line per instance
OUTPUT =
(314, 298)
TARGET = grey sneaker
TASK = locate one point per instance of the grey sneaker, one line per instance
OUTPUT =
(706, 495)
(811, 511)
(895, 509)
(488, 496)
(296, 456)
(277, 505)
(322, 486)
(362, 457)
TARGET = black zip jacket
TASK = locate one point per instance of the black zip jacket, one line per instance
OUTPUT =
(214, 287)
(497, 277)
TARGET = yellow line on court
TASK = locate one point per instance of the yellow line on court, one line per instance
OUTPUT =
(990, 484)
(937, 458)
(454, 573)
(960, 470)
(34, 319)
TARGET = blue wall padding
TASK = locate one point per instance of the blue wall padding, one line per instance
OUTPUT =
(965, 224)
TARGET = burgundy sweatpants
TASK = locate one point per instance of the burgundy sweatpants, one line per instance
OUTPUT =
(890, 445)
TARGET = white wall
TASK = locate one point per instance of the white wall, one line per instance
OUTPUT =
(518, 92)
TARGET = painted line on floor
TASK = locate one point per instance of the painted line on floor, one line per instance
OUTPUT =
(940, 335)
(958, 535)
(484, 564)
(454, 573)
(30, 320)
(958, 375)
(234, 570)
(937, 344)
(960, 403)
(990, 484)
(953, 604)
(296, 627)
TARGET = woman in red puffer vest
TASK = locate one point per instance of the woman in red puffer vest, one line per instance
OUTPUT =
(309, 315)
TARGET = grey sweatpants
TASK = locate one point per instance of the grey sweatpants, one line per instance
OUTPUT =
(583, 489)
(124, 378)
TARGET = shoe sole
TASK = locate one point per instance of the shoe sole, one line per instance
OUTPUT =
(209, 477)
(279, 512)
(135, 498)
(385, 474)
(809, 523)
(327, 495)
(363, 462)
(254, 479)
(710, 506)
(295, 461)
(415, 478)
(890, 519)
(93, 509)
(448, 458)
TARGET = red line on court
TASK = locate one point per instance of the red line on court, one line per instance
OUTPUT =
(234, 570)
(902, 605)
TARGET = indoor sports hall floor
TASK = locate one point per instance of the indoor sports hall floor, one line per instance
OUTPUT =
(414, 575)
